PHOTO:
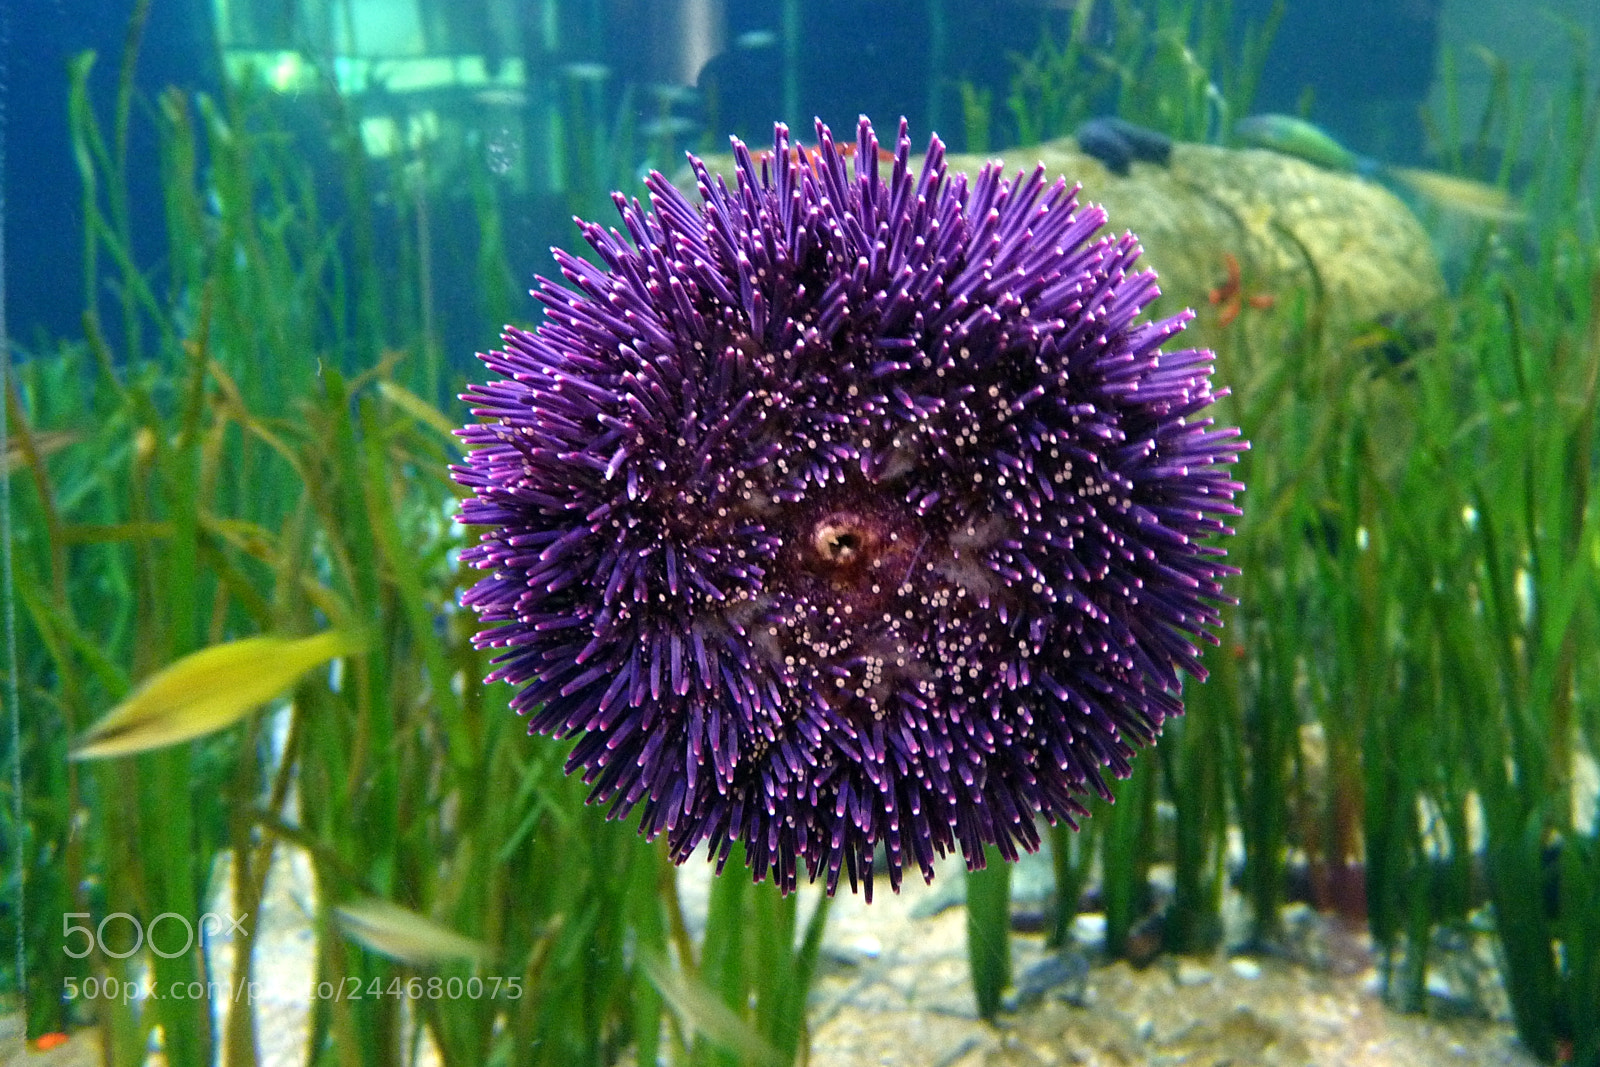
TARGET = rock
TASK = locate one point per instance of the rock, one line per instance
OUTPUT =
(1245, 968)
(1348, 244)
(1089, 930)
(1240, 1036)
(1063, 974)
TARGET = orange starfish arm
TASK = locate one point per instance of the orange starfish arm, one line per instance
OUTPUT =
(1230, 288)
(1230, 310)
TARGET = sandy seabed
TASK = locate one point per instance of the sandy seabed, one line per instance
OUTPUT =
(892, 991)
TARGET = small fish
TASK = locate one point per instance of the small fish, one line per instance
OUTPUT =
(586, 71)
(753, 39)
(1290, 136)
(46, 1042)
(665, 126)
(208, 690)
(1149, 146)
(501, 96)
(1117, 143)
(1296, 137)
(402, 934)
(1478, 199)
(702, 1011)
(673, 93)
(1097, 139)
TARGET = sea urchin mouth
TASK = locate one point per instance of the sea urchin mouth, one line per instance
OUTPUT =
(844, 544)
(848, 510)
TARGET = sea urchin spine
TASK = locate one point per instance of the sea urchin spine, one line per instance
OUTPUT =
(848, 510)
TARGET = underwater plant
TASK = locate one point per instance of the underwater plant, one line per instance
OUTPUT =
(848, 510)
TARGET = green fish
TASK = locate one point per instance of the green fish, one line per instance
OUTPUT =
(1296, 137)
(1290, 136)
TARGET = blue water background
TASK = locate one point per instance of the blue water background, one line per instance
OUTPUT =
(1361, 68)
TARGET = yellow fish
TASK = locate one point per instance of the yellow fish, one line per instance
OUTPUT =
(1463, 195)
(402, 934)
(208, 690)
(1296, 137)
(701, 1011)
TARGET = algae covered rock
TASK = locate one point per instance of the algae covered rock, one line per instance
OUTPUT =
(1310, 245)
(1269, 250)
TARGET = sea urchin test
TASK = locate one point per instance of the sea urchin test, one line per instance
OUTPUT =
(850, 508)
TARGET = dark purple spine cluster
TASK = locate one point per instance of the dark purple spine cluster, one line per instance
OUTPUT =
(849, 509)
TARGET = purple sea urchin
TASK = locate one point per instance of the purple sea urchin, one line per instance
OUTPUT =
(848, 511)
